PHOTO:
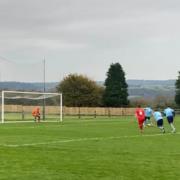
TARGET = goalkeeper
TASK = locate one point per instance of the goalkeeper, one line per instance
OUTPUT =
(36, 114)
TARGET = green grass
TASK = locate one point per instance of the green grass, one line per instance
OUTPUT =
(88, 149)
(28, 117)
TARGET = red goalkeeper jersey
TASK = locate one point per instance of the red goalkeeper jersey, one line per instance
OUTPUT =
(36, 111)
(140, 114)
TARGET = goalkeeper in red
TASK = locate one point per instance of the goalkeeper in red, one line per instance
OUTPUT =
(36, 114)
(140, 115)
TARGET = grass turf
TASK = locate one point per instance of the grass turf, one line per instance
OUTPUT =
(88, 149)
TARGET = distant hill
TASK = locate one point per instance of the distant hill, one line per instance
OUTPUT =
(134, 82)
(136, 88)
(151, 88)
(23, 86)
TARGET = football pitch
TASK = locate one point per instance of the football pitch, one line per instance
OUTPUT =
(85, 149)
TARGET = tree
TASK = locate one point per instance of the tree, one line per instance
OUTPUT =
(177, 95)
(116, 88)
(79, 90)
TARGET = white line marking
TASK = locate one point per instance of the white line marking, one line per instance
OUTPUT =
(82, 139)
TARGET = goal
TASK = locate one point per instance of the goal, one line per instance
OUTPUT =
(17, 106)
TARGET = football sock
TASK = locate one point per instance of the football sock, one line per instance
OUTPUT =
(172, 126)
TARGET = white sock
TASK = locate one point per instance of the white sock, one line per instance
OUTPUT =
(161, 128)
(172, 126)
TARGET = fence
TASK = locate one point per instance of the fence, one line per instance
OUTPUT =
(75, 111)
(97, 111)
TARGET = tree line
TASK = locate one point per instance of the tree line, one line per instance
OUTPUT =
(81, 91)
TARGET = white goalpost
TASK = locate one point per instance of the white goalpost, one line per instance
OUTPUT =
(17, 106)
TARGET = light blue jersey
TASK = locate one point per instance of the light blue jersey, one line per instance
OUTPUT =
(169, 112)
(148, 111)
(157, 115)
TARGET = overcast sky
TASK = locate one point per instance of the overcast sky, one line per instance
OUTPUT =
(86, 36)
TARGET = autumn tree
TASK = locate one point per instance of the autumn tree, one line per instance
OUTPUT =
(79, 90)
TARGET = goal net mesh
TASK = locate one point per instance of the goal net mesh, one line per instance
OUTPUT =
(18, 106)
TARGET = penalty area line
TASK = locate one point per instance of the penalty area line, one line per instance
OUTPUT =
(84, 139)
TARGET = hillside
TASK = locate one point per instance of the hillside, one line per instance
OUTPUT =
(137, 88)
(151, 88)
(23, 86)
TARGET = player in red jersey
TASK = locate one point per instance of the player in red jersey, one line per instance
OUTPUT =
(140, 115)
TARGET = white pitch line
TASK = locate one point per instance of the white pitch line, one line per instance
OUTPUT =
(83, 139)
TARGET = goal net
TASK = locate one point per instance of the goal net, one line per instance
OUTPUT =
(17, 106)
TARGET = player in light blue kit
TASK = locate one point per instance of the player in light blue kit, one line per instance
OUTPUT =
(159, 120)
(170, 113)
(148, 113)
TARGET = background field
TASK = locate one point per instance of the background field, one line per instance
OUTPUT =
(101, 148)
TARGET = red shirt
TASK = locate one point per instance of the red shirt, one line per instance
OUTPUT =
(140, 114)
(36, 112)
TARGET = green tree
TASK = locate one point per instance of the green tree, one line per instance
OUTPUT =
(177, 95)
(116, 88)
(79, 90)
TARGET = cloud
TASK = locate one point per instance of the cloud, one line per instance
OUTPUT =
(96, 31)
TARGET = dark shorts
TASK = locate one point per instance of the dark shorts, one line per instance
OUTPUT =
(147, 118)
(170, 119)
(160, 123)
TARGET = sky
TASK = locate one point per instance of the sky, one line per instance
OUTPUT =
(87, 36)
